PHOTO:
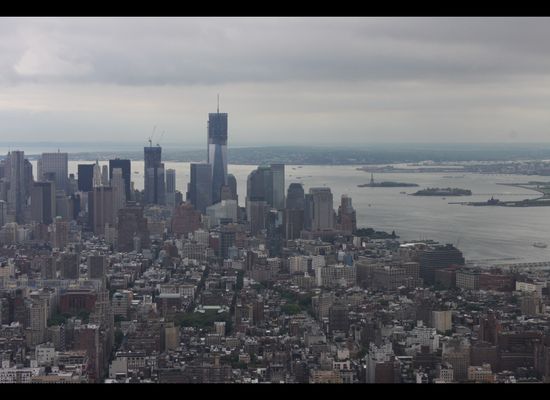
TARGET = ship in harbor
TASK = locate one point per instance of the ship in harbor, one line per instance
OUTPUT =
(540, 245)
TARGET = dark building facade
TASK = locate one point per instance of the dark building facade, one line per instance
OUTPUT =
(85, 177)
(232, 183)
(199, 191)
(264, 190)
(259, 185)
(227, 239)
(69, 265)
(295, 197)
(438, 257)
(101, 208)
(132, 223)
(294, 211)
(19, 187)
(278, 186)
(96, 266)
(338, 318)
(274, 226)
(43, 202)
(155, 191)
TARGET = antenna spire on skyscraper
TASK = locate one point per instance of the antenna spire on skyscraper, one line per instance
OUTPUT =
(218, 103)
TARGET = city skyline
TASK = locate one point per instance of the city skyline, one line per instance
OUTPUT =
(134, 262)
(283, 80)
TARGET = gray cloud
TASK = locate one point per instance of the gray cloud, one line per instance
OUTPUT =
(282, 80)
(145, 51)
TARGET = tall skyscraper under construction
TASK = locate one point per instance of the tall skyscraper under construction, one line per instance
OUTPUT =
(217, 152)
(154, 175)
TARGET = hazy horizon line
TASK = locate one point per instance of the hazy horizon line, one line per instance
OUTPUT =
(272, 144)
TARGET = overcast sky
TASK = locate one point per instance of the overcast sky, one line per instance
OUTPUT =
(282, 80)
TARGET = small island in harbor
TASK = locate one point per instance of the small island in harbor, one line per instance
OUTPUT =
(386, 183)
(443, 192)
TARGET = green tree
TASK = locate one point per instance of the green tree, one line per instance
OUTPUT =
(200, 320)
(58, 319)
(305, 300)
(291, 308)
(84, 316)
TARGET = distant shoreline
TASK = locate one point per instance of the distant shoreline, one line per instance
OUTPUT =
(434, 155)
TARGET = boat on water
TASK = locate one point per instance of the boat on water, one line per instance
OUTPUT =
(540, 245)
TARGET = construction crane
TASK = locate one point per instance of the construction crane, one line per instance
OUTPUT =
(161, 136)
(150, 140)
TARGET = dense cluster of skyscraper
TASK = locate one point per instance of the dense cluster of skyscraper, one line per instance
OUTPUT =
(101, 197)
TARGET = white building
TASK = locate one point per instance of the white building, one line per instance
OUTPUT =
(219, 328)
(318, 261)
(12, 374)
(223, 209)
(298, 264)
(202, 236)
(336, 276)
(423, 336)
(442, 321)
(535, 287)
(45, 354)
(194, 251)
(118, 368)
